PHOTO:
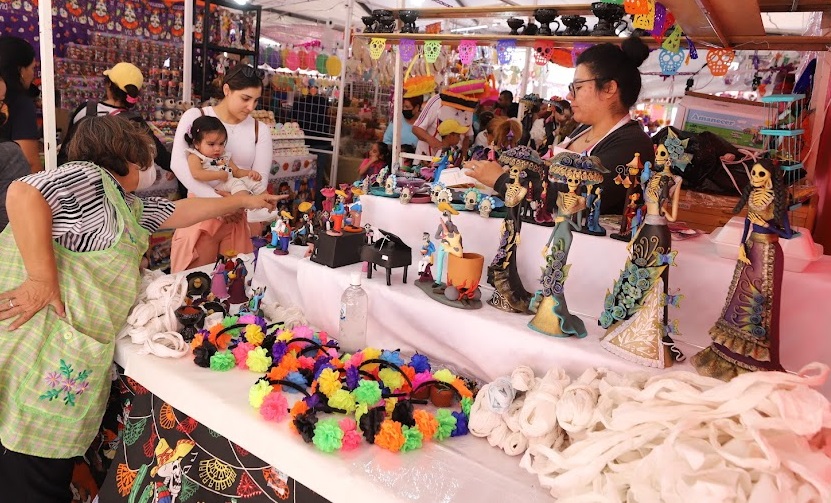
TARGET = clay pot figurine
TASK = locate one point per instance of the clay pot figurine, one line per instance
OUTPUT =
(190, 317)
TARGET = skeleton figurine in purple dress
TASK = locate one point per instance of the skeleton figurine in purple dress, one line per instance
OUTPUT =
(746, 335)
(219, 281)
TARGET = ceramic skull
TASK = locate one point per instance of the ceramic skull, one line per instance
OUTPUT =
(406, 195)
(445, 195)
(434, 192)
(485, 207)
(389, 186)
(471, 199)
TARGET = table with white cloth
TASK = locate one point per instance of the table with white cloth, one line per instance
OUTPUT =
(461, 469)
(489, 343)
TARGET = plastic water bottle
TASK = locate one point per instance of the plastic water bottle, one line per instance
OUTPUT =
(353, 312)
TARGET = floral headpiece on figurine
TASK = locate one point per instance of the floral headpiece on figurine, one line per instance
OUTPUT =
(522, 157)
(379, 388)
(587, 169)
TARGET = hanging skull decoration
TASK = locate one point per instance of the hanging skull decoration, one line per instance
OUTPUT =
(670, 62)
(432, 49)
(407, 48)
(636, 6)
(505, 51)
(673, 41)
(467, 51)
(376, 47)
(645, 21)
(718, 61)
(542, 52)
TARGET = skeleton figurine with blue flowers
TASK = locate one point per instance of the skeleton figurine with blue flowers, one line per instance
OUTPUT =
(635, 313)
(552, 315)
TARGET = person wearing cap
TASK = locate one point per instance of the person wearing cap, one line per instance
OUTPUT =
(410, 110)
(439, 108)
(451, 133)
(122, 85)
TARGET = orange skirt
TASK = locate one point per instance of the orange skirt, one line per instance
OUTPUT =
(200, 244)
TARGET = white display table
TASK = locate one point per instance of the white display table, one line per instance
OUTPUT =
(489, 343)
(461, 469)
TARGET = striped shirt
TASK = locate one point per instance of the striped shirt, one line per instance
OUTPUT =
(83, 219)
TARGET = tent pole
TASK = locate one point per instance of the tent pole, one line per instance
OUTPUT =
(396, 107)
(347, 35)
(47, 77)
(187, 59)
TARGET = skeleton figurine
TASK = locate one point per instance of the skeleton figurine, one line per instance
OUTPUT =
(428, 250)
(406, 195)
(472, 197)
(629, 177)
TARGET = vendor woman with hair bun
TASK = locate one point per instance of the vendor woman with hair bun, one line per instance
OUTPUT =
(122, 87)
(606, 85)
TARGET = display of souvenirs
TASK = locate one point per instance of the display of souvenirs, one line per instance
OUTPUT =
(289, 140)
(635, 313)
(746, 335)
(552, 314)
(629, 177)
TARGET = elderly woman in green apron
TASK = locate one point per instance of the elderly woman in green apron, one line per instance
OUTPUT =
(69, 273)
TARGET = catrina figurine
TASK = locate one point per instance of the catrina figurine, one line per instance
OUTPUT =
(635, 313)
(746, 335)
(552, 316)
(509, 294)
(629, 176)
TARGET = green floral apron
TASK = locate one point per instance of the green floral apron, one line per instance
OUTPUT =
(55, 373)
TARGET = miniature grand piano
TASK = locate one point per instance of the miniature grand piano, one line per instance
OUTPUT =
(388, 252)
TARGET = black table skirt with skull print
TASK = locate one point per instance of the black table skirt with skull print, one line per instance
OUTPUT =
(147, 451)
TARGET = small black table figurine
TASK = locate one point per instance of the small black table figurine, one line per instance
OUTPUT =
(630, 177)
(389, 252)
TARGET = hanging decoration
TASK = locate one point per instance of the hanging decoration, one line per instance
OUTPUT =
(333, 66)
(673, 41)
(562, 57)
(691, 47)
(320, 63)
(302, 61)
(576, 50)
(311, 60)
(467, 51)
(292, 61)
(432, 49)
(376, 48)
(659, 22)
(616, 2)
(670, 62)
(635, 6)
(718, 61)
(407, 49)
(505, 51)
(645, 21)
(542, 52)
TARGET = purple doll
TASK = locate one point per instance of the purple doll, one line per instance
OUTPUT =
(236, 287)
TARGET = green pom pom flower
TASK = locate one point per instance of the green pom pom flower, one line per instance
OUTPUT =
(447, 423)
(223, 361)
(467, 403)
(412, 439)
(328, 435)
(367, 392)
(342, 399)
(258, 360)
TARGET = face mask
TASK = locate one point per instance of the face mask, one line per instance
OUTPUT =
(146, 178)
(408, 114)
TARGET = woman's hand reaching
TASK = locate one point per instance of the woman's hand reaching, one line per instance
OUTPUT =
(485, 172)
(29, 298)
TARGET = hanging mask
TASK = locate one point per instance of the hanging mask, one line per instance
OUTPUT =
(467, 51)
(376, 47)
(432, 49)
(673, 40)
(292, 61)
(311, 60)
(718, 61)
(670, 62)
(407, 49)
(302, 62)
(645, 21)
(542, 52)
(505, 51)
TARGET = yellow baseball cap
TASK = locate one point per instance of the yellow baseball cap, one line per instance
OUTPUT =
(125, 74)
(452, 126)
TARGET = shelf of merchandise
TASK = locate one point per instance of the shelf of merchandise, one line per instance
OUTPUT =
(232, 50)
(206, 45)
(771, 42)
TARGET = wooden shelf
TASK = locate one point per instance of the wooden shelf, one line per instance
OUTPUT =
(498, 11)
(232, 50)
(771, 42)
